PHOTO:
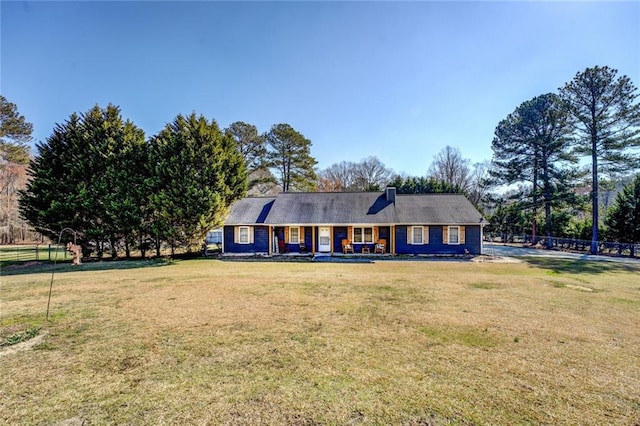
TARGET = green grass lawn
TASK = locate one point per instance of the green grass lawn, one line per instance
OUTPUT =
(229, 342)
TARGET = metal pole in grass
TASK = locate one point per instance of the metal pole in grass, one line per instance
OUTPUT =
(55, 258)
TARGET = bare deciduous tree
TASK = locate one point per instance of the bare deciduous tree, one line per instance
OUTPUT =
(449, 167)
(371, 174)
(337, 177)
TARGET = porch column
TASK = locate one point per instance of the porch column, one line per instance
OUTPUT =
(332, 237)
(393, 239)
(313, 240)
(270, 250)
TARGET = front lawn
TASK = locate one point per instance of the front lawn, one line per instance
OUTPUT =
(220, 342)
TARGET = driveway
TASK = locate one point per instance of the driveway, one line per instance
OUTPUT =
(493, 249)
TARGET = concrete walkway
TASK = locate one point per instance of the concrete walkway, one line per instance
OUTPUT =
(494, 249)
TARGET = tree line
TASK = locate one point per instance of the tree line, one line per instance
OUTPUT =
(100, 177)
(98, 174)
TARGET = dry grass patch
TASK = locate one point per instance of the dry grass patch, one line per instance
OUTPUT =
(214, 342)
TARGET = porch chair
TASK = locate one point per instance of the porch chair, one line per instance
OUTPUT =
(347, 247)
(380, 246)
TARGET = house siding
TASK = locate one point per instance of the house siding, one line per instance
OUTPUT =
(260, 241)
(436, 246)
(474, 239)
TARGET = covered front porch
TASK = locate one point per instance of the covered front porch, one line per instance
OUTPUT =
(332, 239)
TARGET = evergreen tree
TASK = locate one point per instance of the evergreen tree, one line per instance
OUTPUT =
(50, 202)
(289, 152)
(607, 126)
(197, 173)
(623, 218)
(423, 185)
(508, 219)
(113, 164)
(252, 147)
(532, 145)
(84, 178)
(15, 134)
(251, 144)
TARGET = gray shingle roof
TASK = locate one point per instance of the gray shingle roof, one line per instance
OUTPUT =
(249, 211)
(337, 208)
(331, 208)
(437, 209)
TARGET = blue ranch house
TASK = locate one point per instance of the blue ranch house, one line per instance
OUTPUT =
(354, 222)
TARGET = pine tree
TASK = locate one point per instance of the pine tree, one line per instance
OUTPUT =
(15, 134)
(607, 126)
(289, 152)
(532, 145)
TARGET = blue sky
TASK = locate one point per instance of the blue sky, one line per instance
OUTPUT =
(398, 80)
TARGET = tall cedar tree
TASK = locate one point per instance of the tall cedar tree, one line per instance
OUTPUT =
(289, 152)
(623, 218)
(15, 134)
(198, 172)
(85, 177)
(607, 125)
(532, 145)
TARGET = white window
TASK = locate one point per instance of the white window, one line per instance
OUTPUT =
(243, 235)
(294, 235)
(454, 235)
(363, 235)
(417, 235)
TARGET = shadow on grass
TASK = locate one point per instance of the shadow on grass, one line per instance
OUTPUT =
(63, 267)
(570, 266)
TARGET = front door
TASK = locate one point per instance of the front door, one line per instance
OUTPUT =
(324, 239)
